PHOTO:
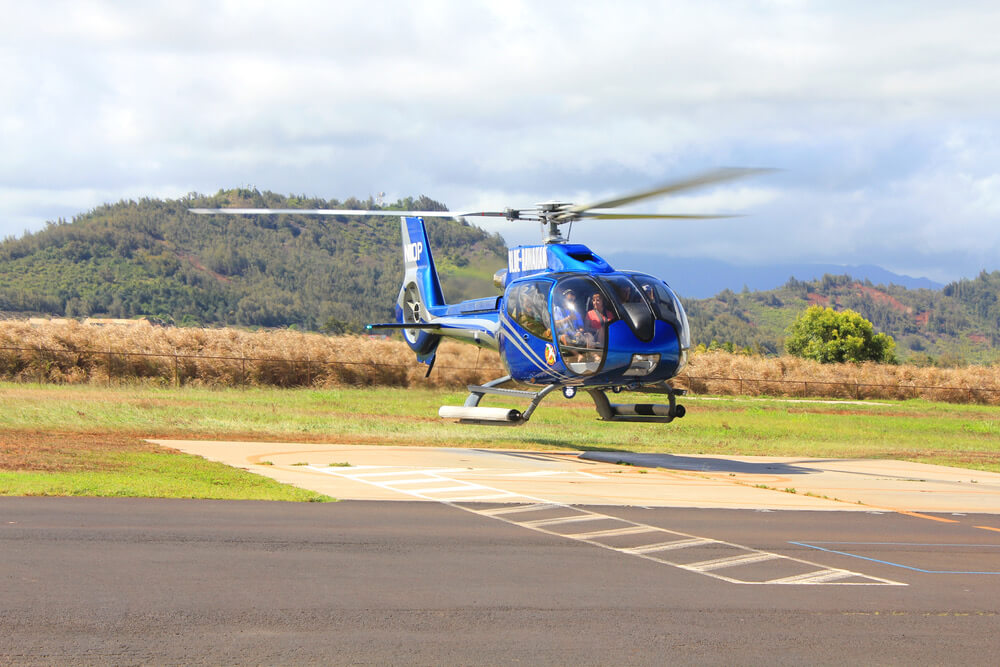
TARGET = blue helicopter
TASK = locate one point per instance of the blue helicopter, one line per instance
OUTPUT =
(566, 319)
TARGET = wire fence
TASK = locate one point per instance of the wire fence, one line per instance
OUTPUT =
(843, 389)
(52, 365)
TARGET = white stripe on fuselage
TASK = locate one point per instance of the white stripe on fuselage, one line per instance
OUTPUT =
(526, 350)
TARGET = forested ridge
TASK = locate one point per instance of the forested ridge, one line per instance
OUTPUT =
(154, 258)
(958, 324)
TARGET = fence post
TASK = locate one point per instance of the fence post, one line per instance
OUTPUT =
(177, 377)
(243, 371)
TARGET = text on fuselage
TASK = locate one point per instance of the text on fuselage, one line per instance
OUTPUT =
(527, 259)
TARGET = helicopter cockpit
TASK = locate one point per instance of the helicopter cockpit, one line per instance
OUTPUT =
(585, 305)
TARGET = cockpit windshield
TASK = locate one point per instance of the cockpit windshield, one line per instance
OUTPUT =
(631, 304)
(666, 306)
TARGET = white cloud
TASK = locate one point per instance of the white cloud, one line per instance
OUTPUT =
(882, 116)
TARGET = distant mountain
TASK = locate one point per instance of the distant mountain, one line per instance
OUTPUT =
(703, 278)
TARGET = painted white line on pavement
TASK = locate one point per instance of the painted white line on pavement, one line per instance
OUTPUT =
(656, 551)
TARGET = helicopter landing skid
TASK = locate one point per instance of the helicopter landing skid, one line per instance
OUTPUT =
(471, 413)
(639, 412)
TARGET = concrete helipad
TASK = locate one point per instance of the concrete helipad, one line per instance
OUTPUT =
(609, 478)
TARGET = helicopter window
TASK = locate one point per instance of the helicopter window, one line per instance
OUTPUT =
(632, 305)
(580, 329)
(657, 294)
(527, 304)
(666, 305)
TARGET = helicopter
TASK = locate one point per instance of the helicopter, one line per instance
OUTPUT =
(565, 320)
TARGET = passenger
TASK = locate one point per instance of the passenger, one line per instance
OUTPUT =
(598, 317)
(522, 308)
(651, 296)
(625, 292)
(531, 312)
(540, 311)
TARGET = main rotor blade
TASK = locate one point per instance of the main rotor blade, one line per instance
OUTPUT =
(652, 216)
(336, 211)
(706, 178)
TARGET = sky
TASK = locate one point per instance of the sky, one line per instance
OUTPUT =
(881, 119)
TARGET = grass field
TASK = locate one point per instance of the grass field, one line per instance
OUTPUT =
(89, 440)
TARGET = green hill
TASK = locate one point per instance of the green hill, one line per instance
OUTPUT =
(154, 258)
(960, 323)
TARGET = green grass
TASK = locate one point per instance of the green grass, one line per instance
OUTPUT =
(948, 434)
(156, 475)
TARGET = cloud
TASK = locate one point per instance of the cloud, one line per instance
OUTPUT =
(882, 117)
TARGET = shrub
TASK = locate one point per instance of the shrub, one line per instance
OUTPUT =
(827, 336)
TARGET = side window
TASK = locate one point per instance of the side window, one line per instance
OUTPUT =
(527, 304)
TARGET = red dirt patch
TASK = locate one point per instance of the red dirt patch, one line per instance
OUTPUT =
(193, 261)
(879, 296)
(63, 452)
(817, 299)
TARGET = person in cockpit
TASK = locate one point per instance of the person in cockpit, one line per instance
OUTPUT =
(569, 322)
(598, 317)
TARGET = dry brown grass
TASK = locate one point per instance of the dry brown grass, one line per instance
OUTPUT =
(735, 374)
(231, 357)
(74, 353)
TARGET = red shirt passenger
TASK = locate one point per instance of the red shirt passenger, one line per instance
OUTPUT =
(599, 316)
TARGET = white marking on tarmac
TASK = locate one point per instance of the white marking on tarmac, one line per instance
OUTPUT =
(656, 550)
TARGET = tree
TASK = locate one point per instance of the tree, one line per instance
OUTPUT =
(831, 337)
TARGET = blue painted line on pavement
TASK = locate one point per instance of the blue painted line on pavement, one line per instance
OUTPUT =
(893, 564)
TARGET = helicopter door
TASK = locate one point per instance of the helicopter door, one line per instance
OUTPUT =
(580, 327)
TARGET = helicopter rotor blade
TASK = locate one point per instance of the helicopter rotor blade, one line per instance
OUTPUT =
(700, 180)
(335, 211)
(655, 216)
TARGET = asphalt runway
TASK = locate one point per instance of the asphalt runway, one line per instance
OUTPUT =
(125, 581)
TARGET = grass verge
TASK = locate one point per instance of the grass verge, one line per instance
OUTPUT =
(34, 463)
(88, 440)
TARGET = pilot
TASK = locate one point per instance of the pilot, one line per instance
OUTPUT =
(569, 322)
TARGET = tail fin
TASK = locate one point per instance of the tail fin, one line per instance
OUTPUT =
(420, 294)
